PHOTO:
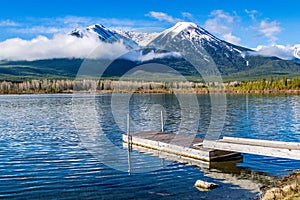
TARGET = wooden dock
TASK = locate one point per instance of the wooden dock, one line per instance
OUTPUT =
(289, 150)
(223, 149)
(219, 162)
(176, 144)
(225, 171)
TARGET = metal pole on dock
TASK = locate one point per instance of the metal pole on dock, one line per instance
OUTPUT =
(128, 131)
(162, 121)
(129, 144)
(129, 161)
(163, 163)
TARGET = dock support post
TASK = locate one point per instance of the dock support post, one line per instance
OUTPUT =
(128, 132)
(129, 144)
(162, 121)
(129, 160)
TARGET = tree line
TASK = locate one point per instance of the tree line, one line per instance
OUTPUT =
(276, 84)
(123, 86)
(105, 86)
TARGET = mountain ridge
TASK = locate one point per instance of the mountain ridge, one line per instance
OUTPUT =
(230, 59)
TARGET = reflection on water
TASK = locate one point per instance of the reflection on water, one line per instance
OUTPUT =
(42, 156)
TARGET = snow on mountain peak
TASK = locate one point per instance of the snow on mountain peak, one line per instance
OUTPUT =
(99, 30)
(96, 26)
(189, 30)
(139, 37)
(297, 51)
(180, 26)
(189, 33)
(181, 31)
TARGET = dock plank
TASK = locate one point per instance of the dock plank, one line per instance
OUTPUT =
(177, 144)
(226, 147)
(289, 150)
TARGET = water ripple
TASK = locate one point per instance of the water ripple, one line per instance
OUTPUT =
(41, 156)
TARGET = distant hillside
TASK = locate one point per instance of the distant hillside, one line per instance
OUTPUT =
(170, 48)
(68, 68)
(40, 69)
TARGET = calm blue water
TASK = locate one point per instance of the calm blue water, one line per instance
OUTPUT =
(48, 143)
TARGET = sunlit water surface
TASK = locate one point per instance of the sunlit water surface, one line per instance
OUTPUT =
(45, 152)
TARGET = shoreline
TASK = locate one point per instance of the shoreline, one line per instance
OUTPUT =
(166, 91)
(287, 188)
(262, 86)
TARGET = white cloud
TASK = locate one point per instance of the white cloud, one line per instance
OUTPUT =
(220, 14)
(39, 30)
(139, 56)
(75, 20)
(215, 26)
(153, 55)
(269, 29)
(222, 23)
(80, 22)
(60, 46)
(233, 39)
(252, 13)
(31, 27)
(280, 51)
(187, 15)
(263, 28)
(8, 23)
(161, 16)
(297, 51)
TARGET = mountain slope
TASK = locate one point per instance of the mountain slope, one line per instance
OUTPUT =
(104, 34)
(98, 30)
(39, 69)
(108, 35)
(140, 38)
(198, 48)
(192, 39)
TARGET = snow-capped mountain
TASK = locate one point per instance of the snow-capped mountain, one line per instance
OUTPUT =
(198, 36)
(187, 36)
(104, 34)
(139, 37)
(107, 35)
(170, 48)
(297, 51)
(98, 30)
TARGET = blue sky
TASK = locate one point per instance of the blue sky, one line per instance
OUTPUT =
(245, 22)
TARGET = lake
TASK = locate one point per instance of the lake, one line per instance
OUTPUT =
(70, 147)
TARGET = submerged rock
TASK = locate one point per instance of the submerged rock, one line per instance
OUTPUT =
(205, 185)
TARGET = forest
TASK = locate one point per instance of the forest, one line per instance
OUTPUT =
(263, 85)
